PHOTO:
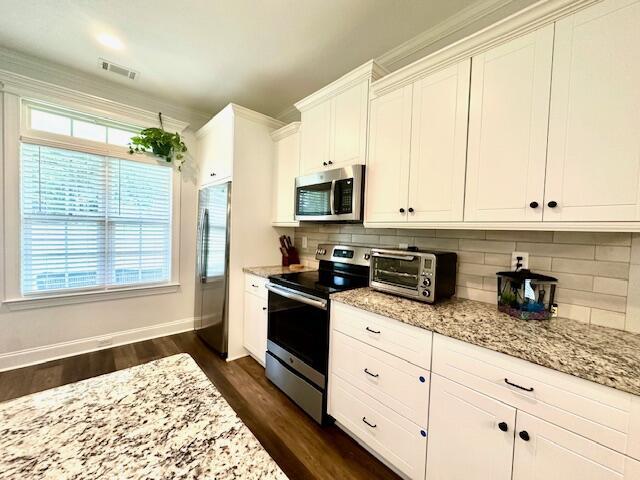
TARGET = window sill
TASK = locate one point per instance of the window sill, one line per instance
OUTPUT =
(26, 303)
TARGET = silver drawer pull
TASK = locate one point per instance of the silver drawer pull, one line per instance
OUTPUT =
(374, 375)
(364, 419)
(530, 389)
(372, 331)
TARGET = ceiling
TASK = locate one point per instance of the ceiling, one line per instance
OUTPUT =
(262, 54)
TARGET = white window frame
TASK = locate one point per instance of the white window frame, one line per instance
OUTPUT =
(15, 130)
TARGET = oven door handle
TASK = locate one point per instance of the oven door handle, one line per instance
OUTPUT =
(394, 257)
(297, 296)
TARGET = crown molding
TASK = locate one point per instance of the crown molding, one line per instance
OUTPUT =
(233, 110)
(32, 88)
(527, 20)
(459, 21)
(369, 71)
(95, 86)
(285, 131)
(289, 114)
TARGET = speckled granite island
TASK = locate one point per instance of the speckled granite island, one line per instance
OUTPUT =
(265, 272)
(599, 354)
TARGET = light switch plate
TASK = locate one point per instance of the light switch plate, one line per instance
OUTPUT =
(304, 241)
(524, 261)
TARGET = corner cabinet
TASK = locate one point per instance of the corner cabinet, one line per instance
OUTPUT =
(333, 131)
(417, 150)
(286, 169)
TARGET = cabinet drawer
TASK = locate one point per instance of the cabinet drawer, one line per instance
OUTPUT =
(594, 411)
(396, 439)
(410, 343)
(255, 285)
(394, 382)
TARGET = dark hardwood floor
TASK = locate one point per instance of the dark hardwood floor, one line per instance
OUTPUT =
(303, 449)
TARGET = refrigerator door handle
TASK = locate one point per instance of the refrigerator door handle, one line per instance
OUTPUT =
(205, 246)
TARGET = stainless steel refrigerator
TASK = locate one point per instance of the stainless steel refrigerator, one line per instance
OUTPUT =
(212, 266)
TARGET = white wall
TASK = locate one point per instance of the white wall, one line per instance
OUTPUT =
(34, 335)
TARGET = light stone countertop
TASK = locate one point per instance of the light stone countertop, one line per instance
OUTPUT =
(602, 355)
(265, 272)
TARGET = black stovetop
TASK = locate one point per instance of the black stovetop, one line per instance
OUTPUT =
(325, 281)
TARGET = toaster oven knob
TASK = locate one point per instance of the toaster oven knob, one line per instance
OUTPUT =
(427, 282)
(367, 256)
(426, 293)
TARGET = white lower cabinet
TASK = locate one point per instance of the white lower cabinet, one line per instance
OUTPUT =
(544, 450)
(470, 434)
(255, 318)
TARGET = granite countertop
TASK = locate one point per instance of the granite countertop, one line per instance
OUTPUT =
(602, 355)
(163, 419)
(274, 270)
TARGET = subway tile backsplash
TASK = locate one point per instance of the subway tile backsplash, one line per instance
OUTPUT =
(598, 272)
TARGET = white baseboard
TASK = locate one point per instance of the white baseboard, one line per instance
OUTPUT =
(32, 356)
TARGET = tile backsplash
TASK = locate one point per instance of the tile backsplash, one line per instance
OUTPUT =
(598, 273)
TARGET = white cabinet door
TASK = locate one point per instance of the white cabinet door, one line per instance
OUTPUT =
(255, 326)
(388, 162)
(439, 145)
(508, 120)
(544, 450)
(593, 169)
(349, 126)
(215, 151)
(287, 167)
(314, 138)
(466, 437)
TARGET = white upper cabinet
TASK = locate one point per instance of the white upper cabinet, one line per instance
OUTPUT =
(439, 145)
(593, 169)
(334, 121)
(508, 120)
(349, 126)
(215, 148)
(417, 150)
(388, 163)
(286, 169)
(314, 138)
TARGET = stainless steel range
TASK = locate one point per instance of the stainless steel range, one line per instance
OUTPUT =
(298, 323)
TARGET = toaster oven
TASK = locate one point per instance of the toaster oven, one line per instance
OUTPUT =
(427, 276)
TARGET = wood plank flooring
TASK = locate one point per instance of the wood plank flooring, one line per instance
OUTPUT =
(303, 449)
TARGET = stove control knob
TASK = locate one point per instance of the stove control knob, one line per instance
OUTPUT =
(426, 293)
(427, 282)
(322, 251)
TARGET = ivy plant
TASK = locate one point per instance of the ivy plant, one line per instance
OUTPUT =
(166, 145)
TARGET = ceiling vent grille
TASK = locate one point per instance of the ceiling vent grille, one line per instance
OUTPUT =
(117, 69)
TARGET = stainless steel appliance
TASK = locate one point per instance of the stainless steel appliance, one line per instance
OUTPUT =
(298, 323)
(212, 266)
(422, 275)
(334, 195)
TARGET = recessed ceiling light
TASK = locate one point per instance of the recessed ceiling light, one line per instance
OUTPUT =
(110, 41)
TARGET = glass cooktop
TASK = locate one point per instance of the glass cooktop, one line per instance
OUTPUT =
(321, 283)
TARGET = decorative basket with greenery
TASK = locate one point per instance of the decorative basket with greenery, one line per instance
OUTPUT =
(163, 144)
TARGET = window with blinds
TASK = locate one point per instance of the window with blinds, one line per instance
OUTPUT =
(92, 222)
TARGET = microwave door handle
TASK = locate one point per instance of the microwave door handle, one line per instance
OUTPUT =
(332, 198)
(394, 257)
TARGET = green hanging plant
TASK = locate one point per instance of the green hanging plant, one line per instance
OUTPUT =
(163, 144)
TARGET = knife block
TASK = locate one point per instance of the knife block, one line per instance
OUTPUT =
(291, 257)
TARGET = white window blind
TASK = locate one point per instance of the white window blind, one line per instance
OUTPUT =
(91, 222)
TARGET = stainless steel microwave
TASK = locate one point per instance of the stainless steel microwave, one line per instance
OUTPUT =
(333, 195)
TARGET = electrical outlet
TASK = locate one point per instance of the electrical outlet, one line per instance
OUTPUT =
(524, 260)
(305, 242)
(554, 310)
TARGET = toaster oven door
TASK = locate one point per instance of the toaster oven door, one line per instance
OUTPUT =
(396, 272)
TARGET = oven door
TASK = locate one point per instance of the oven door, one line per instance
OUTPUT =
(298, 331)
(334, 195)
(395, 272)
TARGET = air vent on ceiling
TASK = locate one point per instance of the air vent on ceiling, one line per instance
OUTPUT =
(117, 69)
